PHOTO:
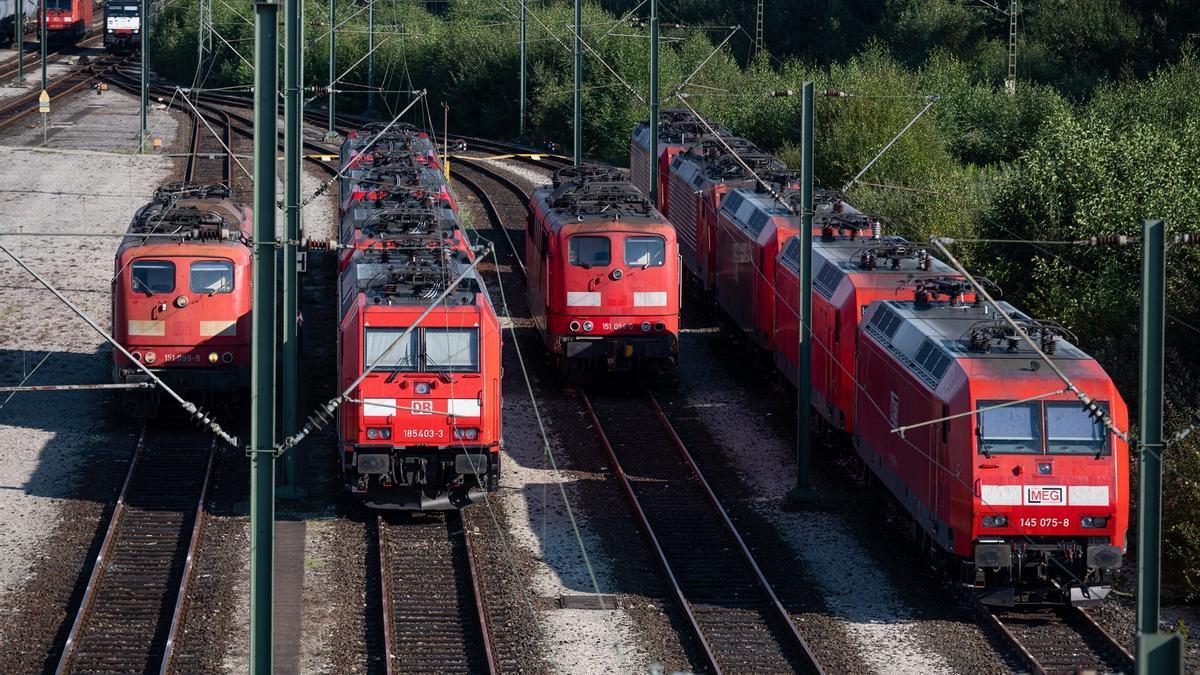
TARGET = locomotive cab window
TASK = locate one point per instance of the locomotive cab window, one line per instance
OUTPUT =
(211, 276)
(452, 349)
(645, 251)
(1011, 430)
(152, 276)
(402, 358)
(64, 5)
(1070, 430)
(590, 251)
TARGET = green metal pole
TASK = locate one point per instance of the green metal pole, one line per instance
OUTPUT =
(578, 123)
(20, 40)
(654, 102)
(370, 56)
(1157, 653)
(332, 70)
(293, 131)
(803, 492)
(144, 93)
(42, 39)
(522, 31)
(262, 361)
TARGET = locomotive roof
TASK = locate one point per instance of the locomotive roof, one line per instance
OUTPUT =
(179, 212)
(592, 192)
(889, 260)
(397, 220)
(709, 161)
(928, 336)
(411, 272)
(677, 126)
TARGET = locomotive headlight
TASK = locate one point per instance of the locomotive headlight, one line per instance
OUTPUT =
(181, 301)
(421, 388)
(227, 357)
(587, 326)
(574, 326)
(995, 521)
(660, 326)
(645, 326)
(468, 433)
(1094, 521)
(136, 356)
(150, 357)
(213, 357)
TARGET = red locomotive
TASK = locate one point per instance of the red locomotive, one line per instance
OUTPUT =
(678, 130)
(1025, 494)
(422, 430)
(603, 270)
(181, 294)
(68, 20)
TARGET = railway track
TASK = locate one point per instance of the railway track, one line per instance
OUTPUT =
(8, 69)
(432, 614)
(80, 76)
(1059, 640)
(131, 607)
(730, 607)
(221, 154)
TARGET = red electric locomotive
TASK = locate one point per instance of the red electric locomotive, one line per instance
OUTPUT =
(400, 138)
(594, 312)
(1029, 494)
(697, 182)
(387, 178)
(422, 430)
(67, 20)
(181, 298)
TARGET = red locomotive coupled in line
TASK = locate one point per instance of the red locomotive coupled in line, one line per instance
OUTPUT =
(603, 270)
(422, 428)
(1010, 481)
(181, 295)
(678, 130)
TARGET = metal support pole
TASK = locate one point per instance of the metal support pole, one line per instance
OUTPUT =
(578, 123)
(654, 102)
(262, 360)
(1010, 82)
(803, 492)
(144, 93)
(293, 130)
(370, 56)
(1156, 653)
(42, 39)
(20, 40)
(446, 139)
(332, 131)
(521, 132)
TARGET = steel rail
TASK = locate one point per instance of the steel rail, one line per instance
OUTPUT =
(9, 67)
(1086, 653)
(493, 212)
(197, 528)
(792, 637)
(105, 546)
(189, 168)
(140, 544)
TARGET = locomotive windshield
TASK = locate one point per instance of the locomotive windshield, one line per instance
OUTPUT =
(121, 9)
(590, 251)
(1013, 429)
(645, 251)
(211, 276)
(430, 350)
(152, 276)
(1070, 430)
(59, 4)
(403, 357)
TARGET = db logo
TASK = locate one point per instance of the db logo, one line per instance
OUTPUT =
(1050, 495)
(422, 407)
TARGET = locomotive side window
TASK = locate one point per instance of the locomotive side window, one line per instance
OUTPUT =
(452, 349)
(645, 251)
(1070, 430)
(590, 251)
(211, 276)
(152, 276)
(1013, 429)
(402, 358)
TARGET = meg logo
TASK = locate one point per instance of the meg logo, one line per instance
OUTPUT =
(1046, 495)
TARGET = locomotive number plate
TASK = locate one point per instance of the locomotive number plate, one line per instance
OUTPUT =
(424, 433)
(1045, 522)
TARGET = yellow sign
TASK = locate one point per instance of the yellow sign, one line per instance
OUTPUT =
(44, 102)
